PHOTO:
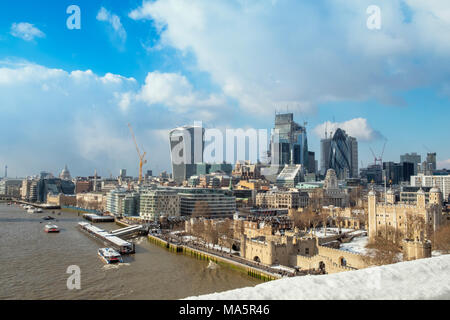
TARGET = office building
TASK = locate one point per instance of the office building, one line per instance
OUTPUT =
(186, 145)
(290, 176)
(442, 182)
(10, 187)
(292, 146)
(431, 160)
(343, 155)
(413, 158)
(121, 202)
(206, 202)
(156, 203)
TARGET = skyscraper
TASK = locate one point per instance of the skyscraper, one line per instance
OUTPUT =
(325, 149)
(414, 158)
(186, 145)
(343, 154)
(431, 161)
(292, 146)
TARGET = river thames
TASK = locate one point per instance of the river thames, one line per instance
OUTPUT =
(33, 264)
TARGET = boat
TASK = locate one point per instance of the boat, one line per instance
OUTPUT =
(109, 255)
(31, 210)
(39, 210)
(51, 228)
(48, 218)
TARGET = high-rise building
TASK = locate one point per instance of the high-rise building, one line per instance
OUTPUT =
(431, 161)
(311, 168)
(343, 155)
(412, 158)
(186, 145)
(325, 149)
(123, 173)
(292, 146)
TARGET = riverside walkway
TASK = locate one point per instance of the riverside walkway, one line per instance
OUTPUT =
(172, 239)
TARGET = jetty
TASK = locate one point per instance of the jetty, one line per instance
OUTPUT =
(97, 218)
(124, 247)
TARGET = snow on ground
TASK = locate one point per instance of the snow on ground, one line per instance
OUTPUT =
(320, 232)
(357, 245)
(419, 279)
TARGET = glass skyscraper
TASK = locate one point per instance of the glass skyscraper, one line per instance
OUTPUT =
(343, 155)
(292, 146)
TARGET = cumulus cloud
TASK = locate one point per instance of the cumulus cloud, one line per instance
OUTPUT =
(80, 118)
(114, 21)
(358, 128)
(262, 53)
(26, 31)
(176, 92)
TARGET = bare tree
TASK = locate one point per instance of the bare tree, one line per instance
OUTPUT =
(441, 239)
(386, 249)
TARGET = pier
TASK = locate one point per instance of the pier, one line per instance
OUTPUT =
(96, 218)
(124, 247)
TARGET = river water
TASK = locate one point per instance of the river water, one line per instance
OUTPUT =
(33, 264)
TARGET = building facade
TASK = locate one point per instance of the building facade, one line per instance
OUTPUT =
(154, 204)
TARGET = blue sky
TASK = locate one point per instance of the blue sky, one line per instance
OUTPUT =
(66, 96)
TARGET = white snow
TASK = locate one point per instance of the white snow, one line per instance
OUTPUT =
(419, 279)
(357, 245)
(320, 232)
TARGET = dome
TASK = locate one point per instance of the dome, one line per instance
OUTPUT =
(421, 191)
(372, 193)
(435, 190)
(390, 192)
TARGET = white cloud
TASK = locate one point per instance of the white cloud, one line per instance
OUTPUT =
(265, 52)
(80, 118)
(444, 164)
(26, 31)
(358, 128)
(114, 21)
(176, 92)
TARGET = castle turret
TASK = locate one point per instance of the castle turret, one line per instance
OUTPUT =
(390, 196)
(372, 206)
(421, 198)
(436, 196)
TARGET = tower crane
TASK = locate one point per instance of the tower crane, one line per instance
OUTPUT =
(142, 160)
(379, 159)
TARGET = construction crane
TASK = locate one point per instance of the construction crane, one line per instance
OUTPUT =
(380, 158)
(142, 160)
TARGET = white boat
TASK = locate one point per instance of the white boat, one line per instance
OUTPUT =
(51, 228)
(109, 255)
(31, 210)
(39, 210)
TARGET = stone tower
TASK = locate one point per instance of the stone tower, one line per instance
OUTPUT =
(436, 196)
(421, 198)
(390, 196)
(372, 206)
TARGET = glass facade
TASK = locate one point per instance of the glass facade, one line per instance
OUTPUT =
(340, 155)
(292, 146)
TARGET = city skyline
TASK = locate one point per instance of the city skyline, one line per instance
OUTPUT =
(156, 65)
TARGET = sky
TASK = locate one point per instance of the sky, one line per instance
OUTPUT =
(67, 95)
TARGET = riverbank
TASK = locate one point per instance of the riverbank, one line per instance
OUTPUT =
(229, 261)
